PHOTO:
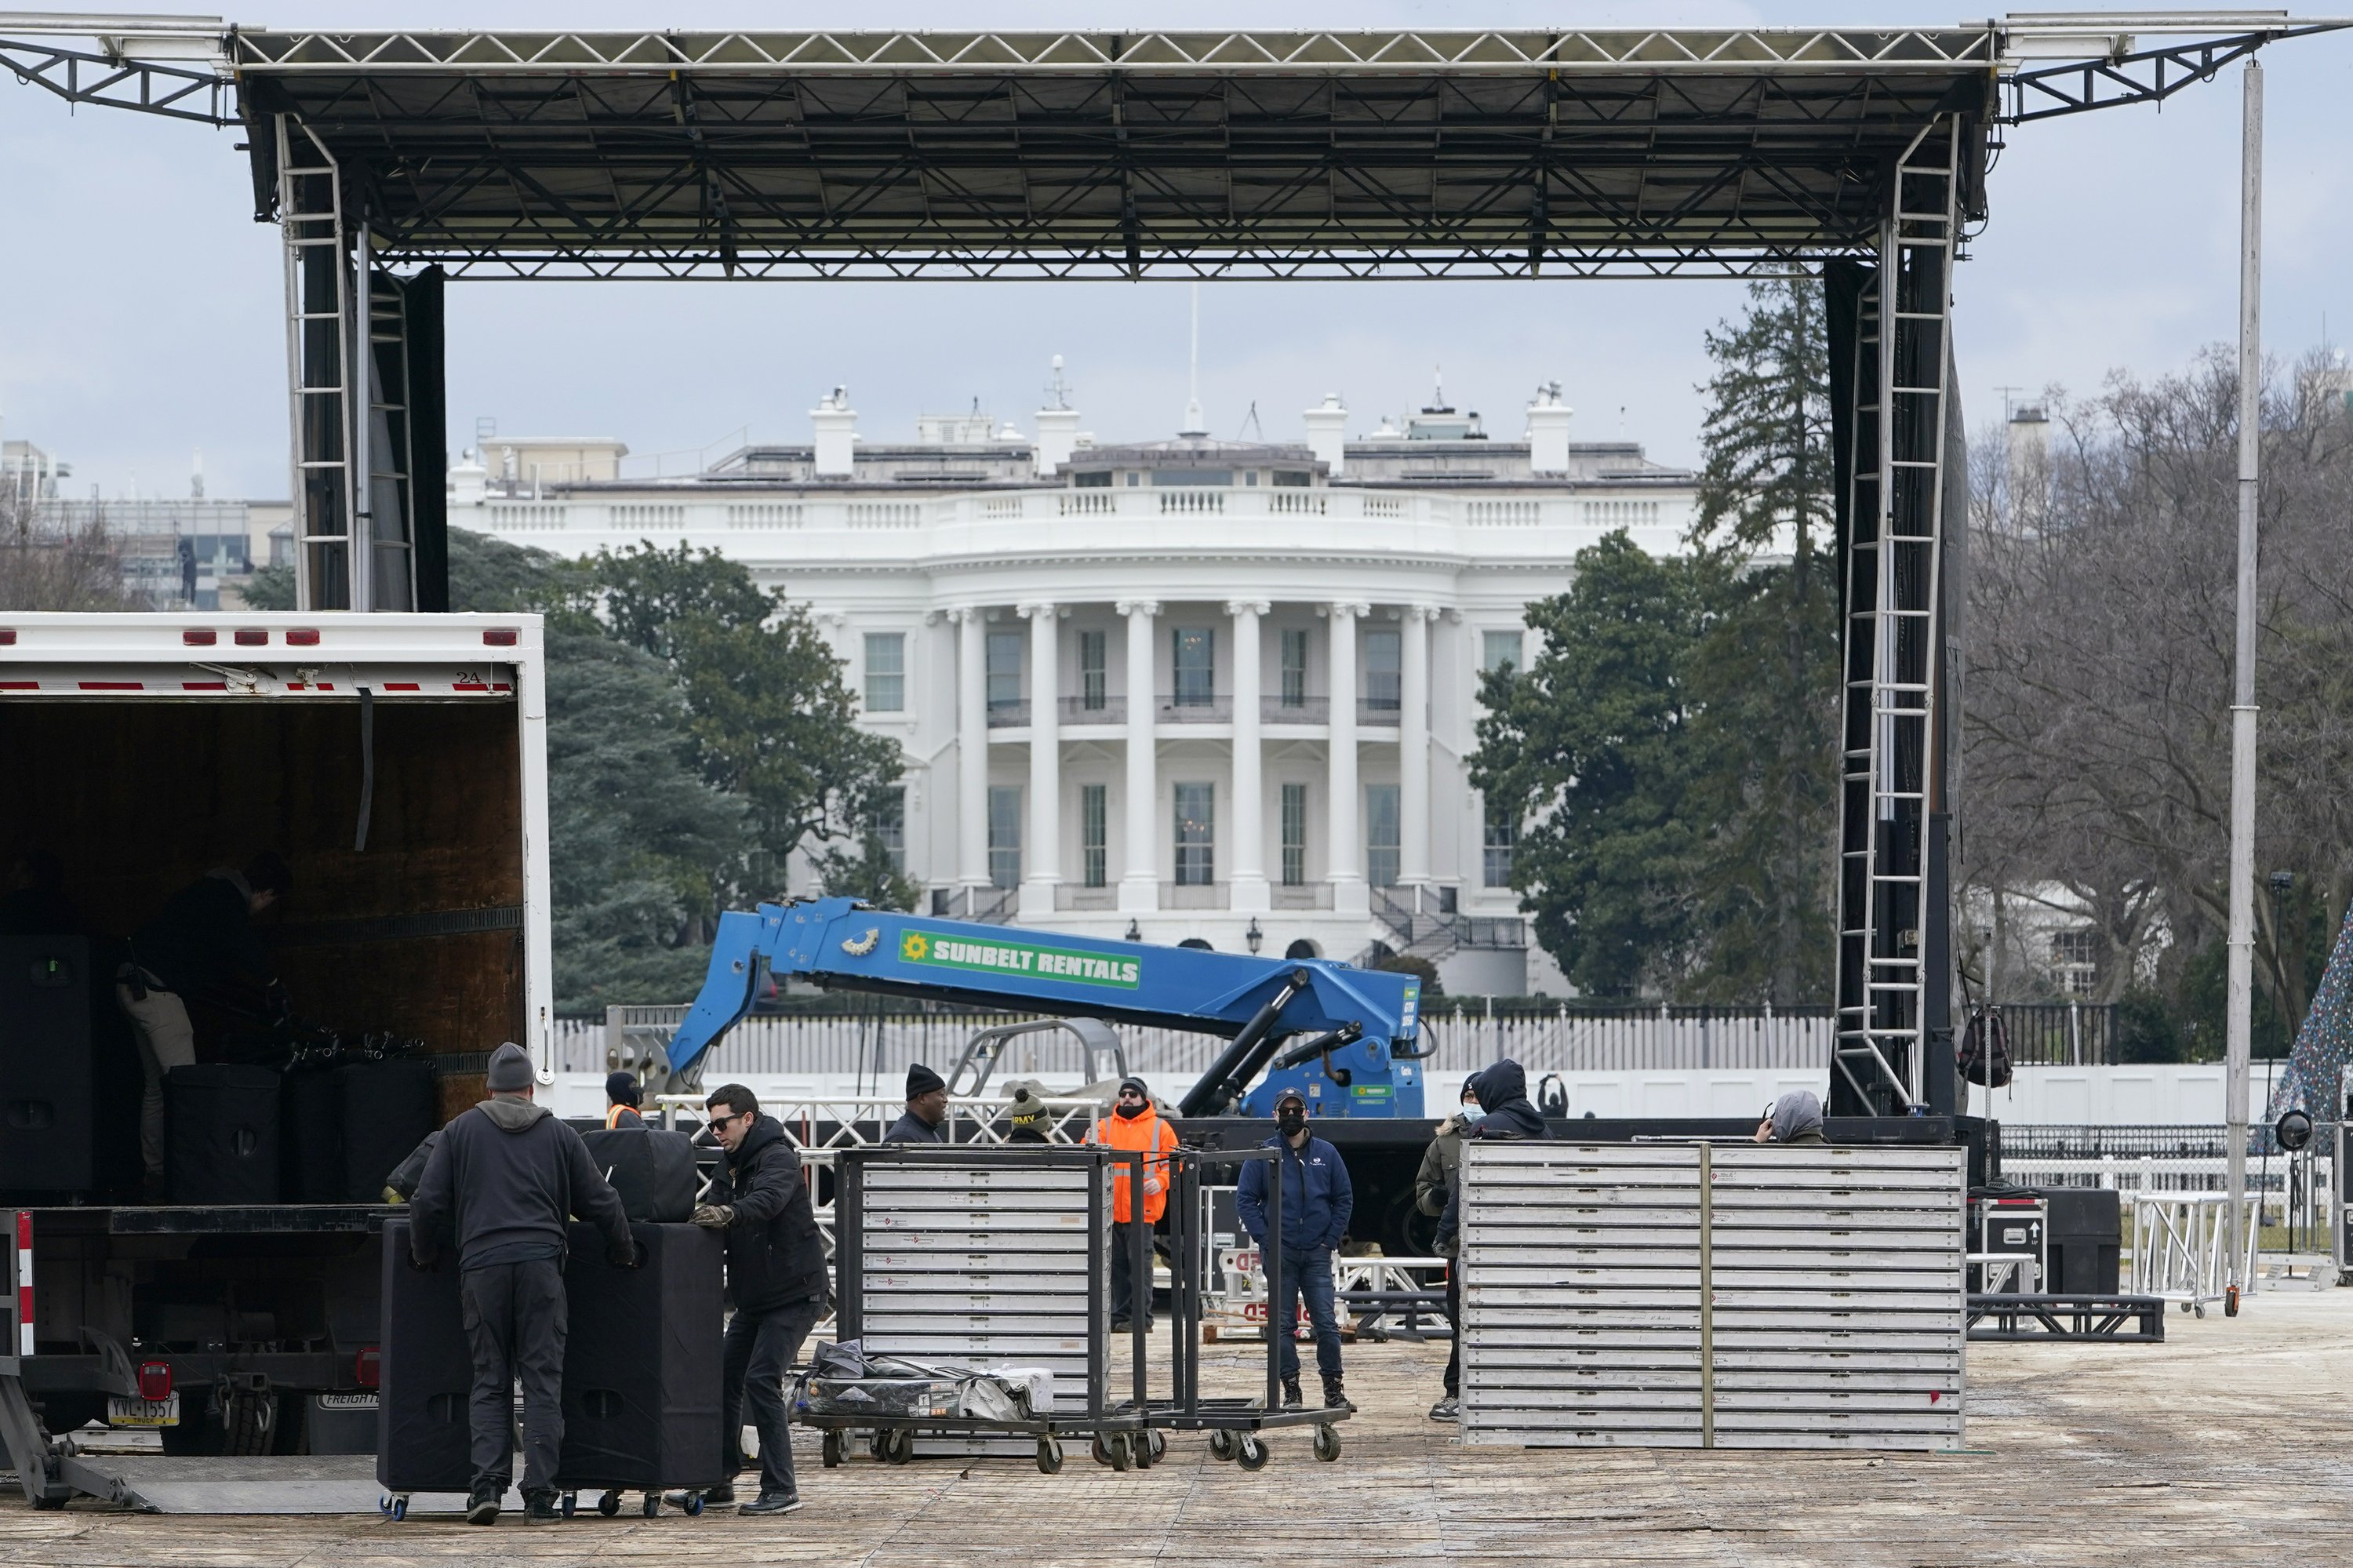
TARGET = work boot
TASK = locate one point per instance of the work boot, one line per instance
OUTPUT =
(772, 1502)
(1446, 1409)
(1334, 1396)
(1291, 1398)
(483, 1504)
(540, 1509)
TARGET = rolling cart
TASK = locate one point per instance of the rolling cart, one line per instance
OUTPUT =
(1236, 1427)
(987, 1255)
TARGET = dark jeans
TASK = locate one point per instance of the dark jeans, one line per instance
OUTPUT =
(1124, 1303)
(515, 1317)
(1307, 1274)
(760, 1346)
(1454, 1320)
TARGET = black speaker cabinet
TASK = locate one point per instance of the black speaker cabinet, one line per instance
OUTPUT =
(310, 1137)
(423, 1439)
(221, 1134)
(387, 1108)
(653, 1169)
(46, 996)
(642, 1362)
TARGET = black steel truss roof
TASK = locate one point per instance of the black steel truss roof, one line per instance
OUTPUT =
(1656, 153)
(1077, 154)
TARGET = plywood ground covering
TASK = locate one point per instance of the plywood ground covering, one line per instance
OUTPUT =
(2232, 1443)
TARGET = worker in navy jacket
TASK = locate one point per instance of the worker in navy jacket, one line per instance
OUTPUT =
(1317, 1200)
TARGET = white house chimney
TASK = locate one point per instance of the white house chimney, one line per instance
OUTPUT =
(2027, 449)
(1327, 433)
(837, 435)
(1548, 419)
(1057, 426)
(470, 482)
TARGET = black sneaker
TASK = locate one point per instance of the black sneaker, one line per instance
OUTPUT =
(1446, 1409)
(1291, 1398)
(1123, 1326)
(540, 1509)
(482, 1506)
(1334, 1396)
(772, 1502)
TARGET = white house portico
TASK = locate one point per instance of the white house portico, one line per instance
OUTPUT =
(1184, 689)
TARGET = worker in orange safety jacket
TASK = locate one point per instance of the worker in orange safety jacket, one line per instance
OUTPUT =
(1135, 1126)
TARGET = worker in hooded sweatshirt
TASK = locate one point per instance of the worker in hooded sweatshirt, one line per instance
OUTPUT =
(1433, 1184)
(1135, 1126)
(1317, 1201)
(623, 1101)
(1795, 1117)
(927, 1109)
(503, 1181)
(1502, 1092)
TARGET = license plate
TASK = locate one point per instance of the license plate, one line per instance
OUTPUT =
(122, 1412)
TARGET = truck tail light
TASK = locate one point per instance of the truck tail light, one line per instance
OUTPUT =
(155, 1380)
(302, 637)
(199, 637)
(253, 637)
(500, 637)
(367, 1367)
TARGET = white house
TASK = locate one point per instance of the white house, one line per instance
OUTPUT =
(1175, 689)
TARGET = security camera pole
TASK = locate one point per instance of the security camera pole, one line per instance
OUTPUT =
(2243, 698)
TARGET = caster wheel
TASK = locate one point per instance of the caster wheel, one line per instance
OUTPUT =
(1139, 1451)
(2201, 1308)
(609, 1504)
(1050, 1456)
(1328, 1444)
(1221, 1445)
(571, 1505)
(902, 1447)
(383, 1505)
(1101, 1449)
(830, 1448)
(1121, 1456)
(880, 1446)
(2230, 1302)
(694, 1506)
(652, 1505)
(400, 1508)
(1159, 1442)
(1251, 1453)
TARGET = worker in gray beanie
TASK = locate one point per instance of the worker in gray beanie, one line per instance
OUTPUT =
(927, 1109)
(501, 1183)
(1795, 1117)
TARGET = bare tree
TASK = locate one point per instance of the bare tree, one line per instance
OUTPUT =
(56, 560)
(2097, 731)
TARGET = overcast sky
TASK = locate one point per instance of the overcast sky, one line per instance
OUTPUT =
(140, 303)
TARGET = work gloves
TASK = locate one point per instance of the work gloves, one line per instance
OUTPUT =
(625, 1255)
(714, 1216)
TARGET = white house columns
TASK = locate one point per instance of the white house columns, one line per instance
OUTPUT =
(1139, 883)
(1247, 886)
(1413, 748)
(1345, 844)
(972, 748)
(1041, 857)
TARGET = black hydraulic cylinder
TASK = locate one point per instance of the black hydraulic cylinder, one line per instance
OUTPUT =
(1238, 1061)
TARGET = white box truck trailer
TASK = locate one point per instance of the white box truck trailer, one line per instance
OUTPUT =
(398, 764)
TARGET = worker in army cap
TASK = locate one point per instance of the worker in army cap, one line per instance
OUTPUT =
(502, 1183)
(927, 1109)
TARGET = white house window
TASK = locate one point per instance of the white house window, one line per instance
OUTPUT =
(891, 827)
(1095, 825)
(1498, 648)
(1294, 833)
(1501, 833)
(1381, 822)
(1195, 835)
(1294, 669)
(1093, 685)
(886, 673)
(1383, 670)
(1004, 669)
(1195, 666)
(1004, 835)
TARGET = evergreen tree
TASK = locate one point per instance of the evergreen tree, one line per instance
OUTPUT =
(1765, 679)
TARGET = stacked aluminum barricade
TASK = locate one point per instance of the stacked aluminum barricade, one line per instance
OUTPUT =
(983, 1258)
(1694, 1295)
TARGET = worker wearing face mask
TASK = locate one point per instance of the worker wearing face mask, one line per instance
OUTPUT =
(1432, 1185)
(1317, 1200)
(1134, 1125)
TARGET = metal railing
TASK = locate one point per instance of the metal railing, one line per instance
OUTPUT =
(1306, 710)
(2060, 1033)
(1302, 895)
(1008, 714)
(1193, 896)
(1379, 712)
(1189, 708)
(1103, 710)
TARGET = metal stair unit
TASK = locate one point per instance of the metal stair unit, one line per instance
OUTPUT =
(1891, 737)
(319, 365)
(1434, 935)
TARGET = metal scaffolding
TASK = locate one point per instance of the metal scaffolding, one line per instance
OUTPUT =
(393, 159)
